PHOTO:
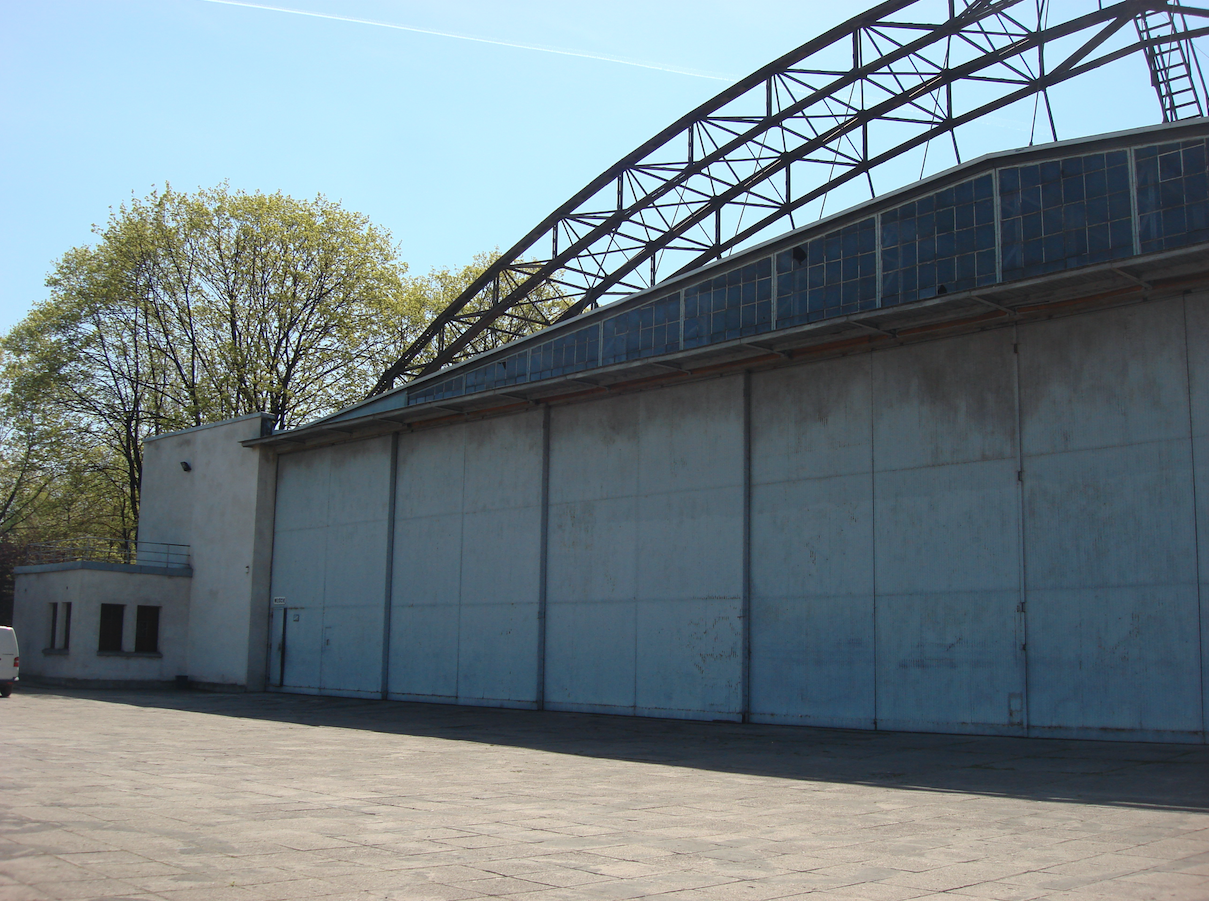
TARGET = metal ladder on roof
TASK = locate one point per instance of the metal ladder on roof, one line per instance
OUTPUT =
(1171, 61)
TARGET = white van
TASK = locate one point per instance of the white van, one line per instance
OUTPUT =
(10, 660)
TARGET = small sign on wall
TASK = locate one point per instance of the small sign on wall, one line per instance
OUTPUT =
(278, 602)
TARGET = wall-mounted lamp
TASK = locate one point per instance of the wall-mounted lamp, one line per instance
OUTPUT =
(185, 466)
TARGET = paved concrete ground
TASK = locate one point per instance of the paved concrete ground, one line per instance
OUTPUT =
(264, 797)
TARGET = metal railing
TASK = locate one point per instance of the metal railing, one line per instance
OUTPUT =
(109, 550)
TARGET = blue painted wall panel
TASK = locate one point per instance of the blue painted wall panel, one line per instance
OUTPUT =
(424, 651)
(1110, 531)
(646, 526)
(467, 563)
(329, 563)
(889, 493)
(812, 545)
(590, 656)
(947, 536)
(1113, 609)
(1196, 317)
(949, 662)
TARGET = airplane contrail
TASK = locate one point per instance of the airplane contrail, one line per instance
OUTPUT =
(675, 70)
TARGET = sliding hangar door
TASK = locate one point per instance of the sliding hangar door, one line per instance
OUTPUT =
(995, 532)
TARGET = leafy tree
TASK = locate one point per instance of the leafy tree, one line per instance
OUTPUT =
(47, 482)
(47, 489)
(192, 309)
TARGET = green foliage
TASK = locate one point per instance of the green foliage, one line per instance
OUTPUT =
(188, 309)
(427, 296)
(194, 308)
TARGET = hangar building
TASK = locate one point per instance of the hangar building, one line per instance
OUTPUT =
(938, 462)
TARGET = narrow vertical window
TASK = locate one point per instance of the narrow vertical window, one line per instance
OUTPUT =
(147, 630)
(111, 627)
(60, 626)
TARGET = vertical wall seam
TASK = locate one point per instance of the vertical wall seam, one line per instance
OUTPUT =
(543, 563)
(391, 506)
(268, 663)
(1020, 529)
(1196, 538)
(745, 675)
(457, 654)
(640, 402)
(327, 547)
(873, 525)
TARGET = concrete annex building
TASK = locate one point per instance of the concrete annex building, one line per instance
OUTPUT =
(939, 462)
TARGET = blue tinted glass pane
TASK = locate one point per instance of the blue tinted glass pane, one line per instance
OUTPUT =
(839, 263)
(927, 243)
(651, 329)
(1194, 157)
(1077, 211)
(737, 302)
(1171, 194)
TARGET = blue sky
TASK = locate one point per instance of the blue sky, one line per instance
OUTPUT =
(455, 145)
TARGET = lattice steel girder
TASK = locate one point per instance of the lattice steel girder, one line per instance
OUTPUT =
(854, 98)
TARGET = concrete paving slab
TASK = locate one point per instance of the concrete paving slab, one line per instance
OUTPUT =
(160, 796)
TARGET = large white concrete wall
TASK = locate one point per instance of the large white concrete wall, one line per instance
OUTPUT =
(885, 540)
(466, 572)
(812, 586)
(645, 579)
(222, 508)
(1196, 333)
(946, 547)
(329, 567)
(996, 533)
(1110, 530)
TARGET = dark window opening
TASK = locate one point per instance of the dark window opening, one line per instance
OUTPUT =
(559, 356)
(147, 630)
(832, 275)
(111, 627)
(645, 331)
(60, 626)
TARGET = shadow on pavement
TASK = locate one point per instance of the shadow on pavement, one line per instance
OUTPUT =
(1135, 774)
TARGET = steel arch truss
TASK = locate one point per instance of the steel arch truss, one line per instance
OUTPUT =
(834, 110)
